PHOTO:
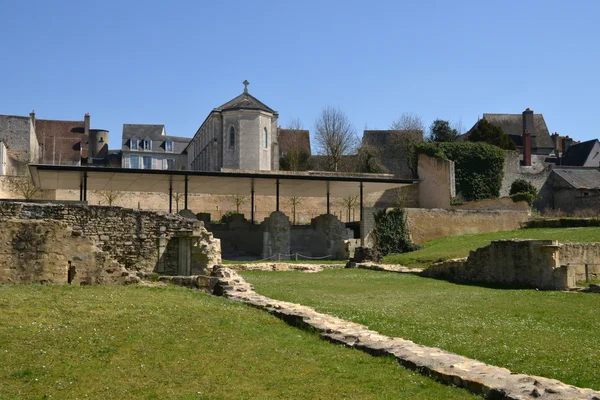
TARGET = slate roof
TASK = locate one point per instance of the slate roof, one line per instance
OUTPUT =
(580, 178)
(577, 154)
(290, 139)
(245, 101)
(380, 138)
(153, 132)
(512, 125)
(61, 141)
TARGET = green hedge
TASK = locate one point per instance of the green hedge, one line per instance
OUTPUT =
(478, 166)
(391, 234)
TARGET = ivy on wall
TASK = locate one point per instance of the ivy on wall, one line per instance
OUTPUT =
(478, 167)
(390, 232)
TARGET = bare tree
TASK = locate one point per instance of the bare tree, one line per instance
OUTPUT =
(109, 197)
(177, 197)
(409, 129)
(24, 186)
(296, 156)
(295, 201)
(349, 203)
(239, 200)
(334, 135)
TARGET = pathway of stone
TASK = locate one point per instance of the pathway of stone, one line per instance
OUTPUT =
(480, 378)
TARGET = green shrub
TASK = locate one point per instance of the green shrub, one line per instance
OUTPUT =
(227, 216)
(391, 234)
(522, 186)
(528, 197)
(478, 166)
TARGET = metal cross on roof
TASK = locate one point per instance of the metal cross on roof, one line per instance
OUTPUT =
(246, 83)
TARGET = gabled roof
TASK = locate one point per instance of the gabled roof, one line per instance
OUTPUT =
(61, 141)
(294, 140)
(512, 125)
(154, 133)
(580, 178)
(578, 154)
(245, 101)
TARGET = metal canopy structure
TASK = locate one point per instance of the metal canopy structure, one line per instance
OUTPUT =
(301, 184)
(219, 183)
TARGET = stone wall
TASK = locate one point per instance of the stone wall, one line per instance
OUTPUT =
(537, 173)
(501, 203)
(437, 182)
(541, 264)
(129, 236)
(425, 225)
(50, 252)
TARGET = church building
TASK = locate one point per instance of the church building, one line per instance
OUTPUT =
(240, 134)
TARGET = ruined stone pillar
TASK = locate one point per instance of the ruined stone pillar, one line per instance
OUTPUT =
(276, 236)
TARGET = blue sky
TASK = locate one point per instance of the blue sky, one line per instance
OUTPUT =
(171, 62)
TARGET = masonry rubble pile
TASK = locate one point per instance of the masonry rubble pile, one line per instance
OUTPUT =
(129, 238)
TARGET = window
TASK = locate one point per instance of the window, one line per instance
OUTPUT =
(147, 162)
(170, 163)
(133, 144)
(134, 161)
(266, 139)
(169, 146)
(147, 144)
(231, 137)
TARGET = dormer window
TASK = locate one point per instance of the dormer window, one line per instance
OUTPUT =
(169, 145)
(133, 145)
(147, 144)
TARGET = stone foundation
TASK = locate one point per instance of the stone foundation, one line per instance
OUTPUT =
(540, 264)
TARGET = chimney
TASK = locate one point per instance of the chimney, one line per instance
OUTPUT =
(556, 143)
(32, 116)
(567, 142)
(86, 124)
(528, 132)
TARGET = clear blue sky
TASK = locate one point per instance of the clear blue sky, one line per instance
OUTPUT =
(171, 62)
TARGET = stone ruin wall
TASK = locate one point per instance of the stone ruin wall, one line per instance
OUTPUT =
(540, 264)
(133, 238)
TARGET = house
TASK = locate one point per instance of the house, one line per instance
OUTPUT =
(62, 142)
(526, 129)
(149, 147)
(571, 190)
(240, 134)
(294, 148)
(585, 154)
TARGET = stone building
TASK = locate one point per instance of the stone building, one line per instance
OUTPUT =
(392, 147)
(21, 143)
(571, 190)
(240, 134)
(585, 154)
(514, 125)
(149, 147)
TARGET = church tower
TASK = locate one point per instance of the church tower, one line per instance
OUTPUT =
(240, 134)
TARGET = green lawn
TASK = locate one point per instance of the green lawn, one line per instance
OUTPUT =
(115, 342)
(459, 246)
(552, 334)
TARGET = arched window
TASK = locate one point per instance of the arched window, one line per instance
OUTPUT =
(231, 137)
(266, 139)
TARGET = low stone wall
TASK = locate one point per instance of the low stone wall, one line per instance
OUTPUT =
(427, 224)
(134, 238)
(51, 252)
(541, 264)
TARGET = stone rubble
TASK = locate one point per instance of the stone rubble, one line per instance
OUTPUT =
(271, 266)
(493, 382)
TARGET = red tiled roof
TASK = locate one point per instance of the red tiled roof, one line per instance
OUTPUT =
(60, 141)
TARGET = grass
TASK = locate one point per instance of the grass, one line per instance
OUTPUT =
(547, 333)
(116, 342)
(318, 262)
(459, 246)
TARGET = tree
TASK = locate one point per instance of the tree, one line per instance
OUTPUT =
(410, 129)
(294, 201)
(349, 203)
(369, 160)
(239, 200)
(334, 135)
(491, 134)
(441, 131)
(177, 197)
(108, 196)
(24, 186)
(296, 157)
